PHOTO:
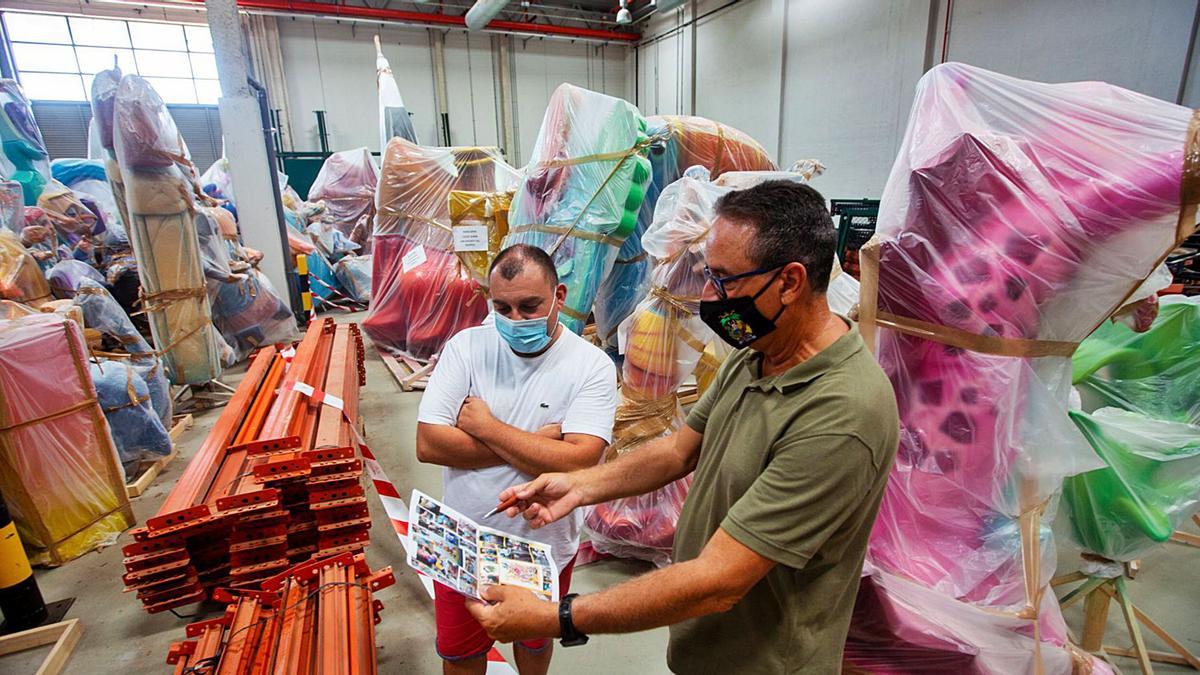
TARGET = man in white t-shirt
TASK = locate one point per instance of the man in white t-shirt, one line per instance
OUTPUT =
(514, 398)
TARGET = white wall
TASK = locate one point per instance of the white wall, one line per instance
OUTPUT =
(539, 66)
(845, 70)
(331, 66)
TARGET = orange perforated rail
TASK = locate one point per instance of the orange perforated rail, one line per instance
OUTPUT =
(316, 618)
(277, 481)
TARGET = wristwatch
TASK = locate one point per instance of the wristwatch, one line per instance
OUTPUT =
(566, 625)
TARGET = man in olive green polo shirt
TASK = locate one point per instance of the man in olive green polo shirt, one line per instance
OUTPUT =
(791, 448)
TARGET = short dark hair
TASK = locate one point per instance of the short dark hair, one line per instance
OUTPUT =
(792, 225)
(512, 260)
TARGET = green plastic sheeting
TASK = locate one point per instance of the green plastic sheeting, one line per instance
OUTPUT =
(1146, 387)
(1156, 373)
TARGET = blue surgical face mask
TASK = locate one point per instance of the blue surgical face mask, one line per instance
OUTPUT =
(525, 336)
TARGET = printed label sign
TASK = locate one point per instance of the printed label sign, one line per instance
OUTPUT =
(413, 258)
(470, 238)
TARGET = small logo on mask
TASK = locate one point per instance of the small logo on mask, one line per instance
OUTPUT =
(737, 329)
(543, 405)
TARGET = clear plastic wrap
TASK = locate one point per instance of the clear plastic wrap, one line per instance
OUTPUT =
(40, 238)
(393, 116)
(103, 313)
(159, 195)
(346, 183)
(247, 311)
(104, 102)
(582, 190)
(65, 276)
(1150, 485)
(58, 468)
(326, 289)
(354, 276)
(23, 156)
(678, 144)
(73, 222)
(329, 240)
(1155, 372)
(297, 214)
(21, 278)
(900, 627)
(664, 341)
(1018, 216)
(1150, 437)
(125, 398)
(88, 178)
(12, 206)
(421, 294)
(218, 177)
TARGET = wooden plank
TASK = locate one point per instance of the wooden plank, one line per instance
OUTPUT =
(56, 660)
(181, 425)
(1189, 658)
(1070, 577)
(64, 635)
(420, 376)
(411, 375)
(1095, 619)
(143, 482)
(1135, 633)
(1186, 538)
(1161, 657)
(29, 639)
(393, 365)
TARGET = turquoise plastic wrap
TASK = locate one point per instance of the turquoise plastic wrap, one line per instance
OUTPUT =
(581, 194)
(679, 144)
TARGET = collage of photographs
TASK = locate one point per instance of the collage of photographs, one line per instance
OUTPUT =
(455, 551)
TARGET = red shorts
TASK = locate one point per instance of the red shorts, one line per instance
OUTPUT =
(459, 635)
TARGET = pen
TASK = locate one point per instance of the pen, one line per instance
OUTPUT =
(502, 506)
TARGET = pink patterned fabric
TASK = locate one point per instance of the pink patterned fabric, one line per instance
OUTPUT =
(1021, 210)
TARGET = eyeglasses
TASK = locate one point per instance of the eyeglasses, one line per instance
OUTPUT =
(719, 282)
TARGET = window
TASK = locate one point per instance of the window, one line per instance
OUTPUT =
(56, 56)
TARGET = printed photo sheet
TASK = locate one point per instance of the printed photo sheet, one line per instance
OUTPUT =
(453, 549)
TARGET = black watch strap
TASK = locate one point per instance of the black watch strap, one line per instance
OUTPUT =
(566, 624)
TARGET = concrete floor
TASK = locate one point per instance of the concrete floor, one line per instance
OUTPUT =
(120, 638)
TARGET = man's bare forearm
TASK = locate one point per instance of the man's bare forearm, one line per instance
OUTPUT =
(452, 447)
(652, 466)
(663, 597)
(535, 454)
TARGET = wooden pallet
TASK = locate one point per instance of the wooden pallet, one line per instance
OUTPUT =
(139, 486)
(410, 374)
(62, 635)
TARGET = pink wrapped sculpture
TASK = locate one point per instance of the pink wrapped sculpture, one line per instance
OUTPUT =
(1017, 218)
(346, 183)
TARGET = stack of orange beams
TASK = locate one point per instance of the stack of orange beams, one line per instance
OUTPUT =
(318, 617)
(277, 480)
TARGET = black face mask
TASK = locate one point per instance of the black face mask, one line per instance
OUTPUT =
(737, 320)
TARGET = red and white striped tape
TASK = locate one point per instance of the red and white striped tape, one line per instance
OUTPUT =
(393, 505)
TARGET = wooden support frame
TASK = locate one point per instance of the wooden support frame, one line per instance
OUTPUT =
(143, 482)
(64, 635)
(1098, 593)
(1187, 538)
(410, 374)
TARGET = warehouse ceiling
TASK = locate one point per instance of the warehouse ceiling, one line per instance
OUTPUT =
(590, 13)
